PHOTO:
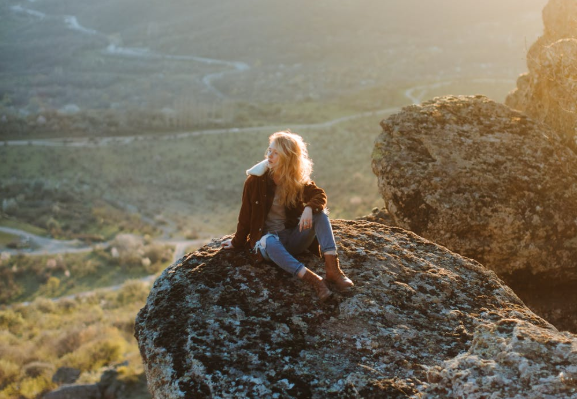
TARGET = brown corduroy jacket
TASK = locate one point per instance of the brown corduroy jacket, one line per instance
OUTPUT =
(257, 198)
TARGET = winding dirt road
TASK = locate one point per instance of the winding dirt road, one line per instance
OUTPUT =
(114, 49)
(414, 94)
(37, 245)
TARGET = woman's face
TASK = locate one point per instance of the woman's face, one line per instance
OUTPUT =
(272, 155)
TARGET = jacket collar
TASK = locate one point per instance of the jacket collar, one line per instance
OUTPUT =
(259, 169)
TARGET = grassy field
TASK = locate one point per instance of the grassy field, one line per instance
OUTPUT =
(20, 225)
(24, 278)
(197, 181)
(34, 203)
(6, 238)
(88, 333)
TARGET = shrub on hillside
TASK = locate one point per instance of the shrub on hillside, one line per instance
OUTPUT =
(68, 342)
(43, 305)
(51, 288)
(11, 321)
(78, 333)
(96, 354)
(128, 250)
(132, 291)
(158, 253)
(83, 268)
(9, 288)
(28, 388)
(125, 325)
(8, 372)
(38, 369)
(67, 305)
(127, 243)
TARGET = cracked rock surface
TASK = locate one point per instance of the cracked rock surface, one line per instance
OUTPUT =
(421, 321)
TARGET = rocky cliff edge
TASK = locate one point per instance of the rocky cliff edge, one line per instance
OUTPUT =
(421, 322)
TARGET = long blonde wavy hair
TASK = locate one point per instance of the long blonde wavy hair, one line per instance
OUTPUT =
(294, 167)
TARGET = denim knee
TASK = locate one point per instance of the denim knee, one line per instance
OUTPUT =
(320, 215)
(270, 240)
(276, 252)
(324, 232)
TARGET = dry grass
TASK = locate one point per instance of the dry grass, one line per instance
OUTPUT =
(89, 333)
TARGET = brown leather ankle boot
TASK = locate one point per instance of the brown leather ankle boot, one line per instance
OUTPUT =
(318, 284)
(335, 275)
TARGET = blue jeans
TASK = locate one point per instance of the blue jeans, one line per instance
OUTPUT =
(281, 247)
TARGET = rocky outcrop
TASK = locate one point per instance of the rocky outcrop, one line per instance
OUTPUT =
(485, 181)
(555, 301)
(548, 92)
(504, 355)
(215, 326)
(109, 386)
(86, 391)
(66, 375)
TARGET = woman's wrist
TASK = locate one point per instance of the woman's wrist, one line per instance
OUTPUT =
(313, 210)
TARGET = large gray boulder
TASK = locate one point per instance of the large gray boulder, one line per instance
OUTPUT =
(548, 91)
(215, 326)
(88, 391)
(109, 386)
(66, 375)
(485, 181)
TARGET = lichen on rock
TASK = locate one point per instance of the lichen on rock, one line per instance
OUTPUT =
(216, 326)
(508, 354)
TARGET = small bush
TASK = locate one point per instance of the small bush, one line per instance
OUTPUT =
(95, 355)
(127, 243)
(68, 342)
(9, 288)
(22, 309)
(82, 269)
(132, 291)
(126, 325)
(90, 299)
(15, 349)
(31, 388)
(38, 369)
(9, 371)
(158, 253)
(67, 305)
(11, 321)
(51, 287)
(44, 305)
(191, 235)
(130, 261)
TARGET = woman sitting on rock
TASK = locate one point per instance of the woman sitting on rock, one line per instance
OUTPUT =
(283, 211)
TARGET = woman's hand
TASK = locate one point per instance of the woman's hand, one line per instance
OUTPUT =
(306, 221)
(227, 244)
